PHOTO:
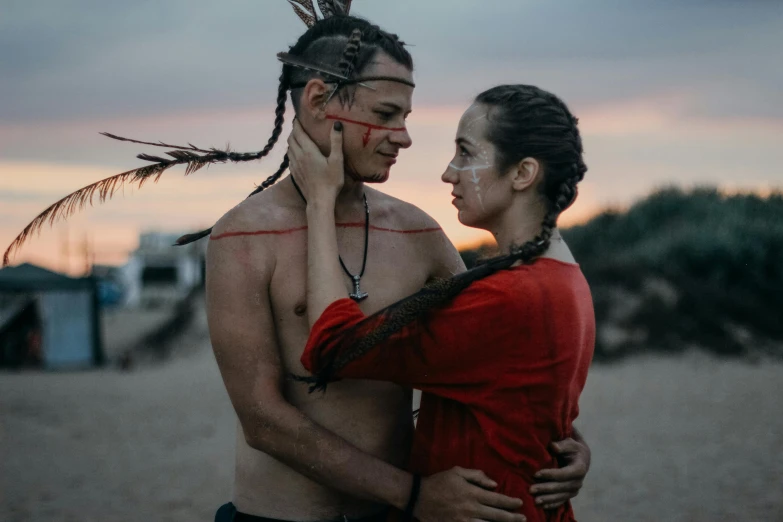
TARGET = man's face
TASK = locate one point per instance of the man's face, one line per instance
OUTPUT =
(374, 120)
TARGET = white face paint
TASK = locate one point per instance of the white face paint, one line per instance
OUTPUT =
(475, 179)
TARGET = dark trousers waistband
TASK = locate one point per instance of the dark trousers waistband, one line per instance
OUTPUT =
(228, 513)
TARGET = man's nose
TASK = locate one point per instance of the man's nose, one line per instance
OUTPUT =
(401, 138)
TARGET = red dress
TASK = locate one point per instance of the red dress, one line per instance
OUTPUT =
(501, 369)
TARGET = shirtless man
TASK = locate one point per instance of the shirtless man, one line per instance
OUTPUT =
(339, 455)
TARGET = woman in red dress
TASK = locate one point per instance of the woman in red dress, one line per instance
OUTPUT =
(500, 352)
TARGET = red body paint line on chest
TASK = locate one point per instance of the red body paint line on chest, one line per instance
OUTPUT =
(300, 229)
(370, 127)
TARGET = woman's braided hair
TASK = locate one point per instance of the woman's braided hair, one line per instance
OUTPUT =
(524, 122)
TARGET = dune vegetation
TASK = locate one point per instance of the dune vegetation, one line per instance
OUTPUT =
(682, 269)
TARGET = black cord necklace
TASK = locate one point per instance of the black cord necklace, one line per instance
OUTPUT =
(357, 294)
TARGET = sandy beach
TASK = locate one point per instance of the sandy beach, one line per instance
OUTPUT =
(690, 438)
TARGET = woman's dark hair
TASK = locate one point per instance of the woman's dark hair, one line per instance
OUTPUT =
(524, 122)
(345, 43)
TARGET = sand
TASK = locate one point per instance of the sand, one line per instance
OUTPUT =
(676, 439)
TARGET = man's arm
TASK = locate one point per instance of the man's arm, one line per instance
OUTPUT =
(245, 345)
(243, 337)
(557, 486)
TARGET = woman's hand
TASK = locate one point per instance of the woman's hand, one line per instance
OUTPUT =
(319, 178)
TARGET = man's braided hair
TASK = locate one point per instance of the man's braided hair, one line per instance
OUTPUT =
(348, 42)
(340, 42)
(524, 121)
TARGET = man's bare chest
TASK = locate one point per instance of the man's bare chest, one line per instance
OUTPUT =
(396, 267)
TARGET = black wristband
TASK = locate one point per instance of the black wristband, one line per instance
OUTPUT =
(414, 497)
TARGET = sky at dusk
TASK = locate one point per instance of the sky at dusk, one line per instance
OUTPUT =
(668, 93)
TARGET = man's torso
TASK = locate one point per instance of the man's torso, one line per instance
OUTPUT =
(374, 416)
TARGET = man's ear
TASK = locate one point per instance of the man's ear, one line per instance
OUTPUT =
(525, 174)
(314, 94)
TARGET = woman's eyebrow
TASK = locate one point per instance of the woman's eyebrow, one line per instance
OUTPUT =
(464, 141)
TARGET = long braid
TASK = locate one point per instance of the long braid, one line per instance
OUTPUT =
(442, 291)
(543, 123)
(271, 180)
(348, 65)
(282, 97)
(324, 42)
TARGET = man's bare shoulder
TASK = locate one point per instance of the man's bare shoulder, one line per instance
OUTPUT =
(433, 246)
(401, 215)
(246, 235)
(264, 212)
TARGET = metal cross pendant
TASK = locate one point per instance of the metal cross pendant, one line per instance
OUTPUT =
(357, 294)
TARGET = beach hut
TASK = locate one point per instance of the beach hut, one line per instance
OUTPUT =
(158, 273)
(48, 319)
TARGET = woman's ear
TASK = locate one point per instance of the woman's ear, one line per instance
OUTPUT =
(525, 174)
(316, 92)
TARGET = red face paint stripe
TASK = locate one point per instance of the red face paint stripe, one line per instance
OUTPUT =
(300, 229)
(368, 125)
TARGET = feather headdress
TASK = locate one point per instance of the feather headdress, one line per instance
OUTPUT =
(195, 158)
(305, 9)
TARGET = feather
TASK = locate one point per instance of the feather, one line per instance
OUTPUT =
(158, 144)
(330, 8)
(326, 8)
(154, 159)
(342, 7)
(106, 188)
(68, 205)
(305, 10)
(298, 62)
(350, 53)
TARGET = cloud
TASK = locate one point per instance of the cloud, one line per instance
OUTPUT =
(85, 59)
(667, 92)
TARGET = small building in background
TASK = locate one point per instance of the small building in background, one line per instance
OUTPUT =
(159, 273)
(48, 319)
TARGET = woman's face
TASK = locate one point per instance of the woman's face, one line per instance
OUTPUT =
(480, 192)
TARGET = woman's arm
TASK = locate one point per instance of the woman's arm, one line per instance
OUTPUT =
(321, 180)
(450, 346)
(442, 357)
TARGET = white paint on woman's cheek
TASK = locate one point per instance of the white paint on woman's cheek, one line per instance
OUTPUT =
(483, 154)
(473, 168)
(475, 178)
